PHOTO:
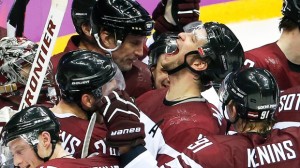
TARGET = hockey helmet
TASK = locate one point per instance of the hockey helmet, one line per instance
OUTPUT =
(254, 91)
(164, 43)
(81, 11)
(223, 48)
(29, 123)
(84, 71)
(291, 10)
(122, 17)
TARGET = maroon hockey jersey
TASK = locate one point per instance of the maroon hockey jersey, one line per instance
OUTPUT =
(179, 123)
(289, 105)
(273, 59)
(95, 162)
(280, 149)
(73, 130)
(138, 79)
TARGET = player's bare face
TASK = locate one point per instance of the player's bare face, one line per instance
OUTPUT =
(160, 76)
(130, 50)
(187, 41)
(23, 154)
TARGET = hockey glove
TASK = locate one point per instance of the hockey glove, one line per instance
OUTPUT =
(122, 119)
(172, 15)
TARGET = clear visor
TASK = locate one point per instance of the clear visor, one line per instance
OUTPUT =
(6, 157)
(223, 93)
(116, 83)
(199, 35)
(24, 142)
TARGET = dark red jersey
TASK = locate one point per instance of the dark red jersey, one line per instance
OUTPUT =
(273, 59)
(289, 105)
(73, 130)
(279, 149)
(178, 123)
(95, 162)
(138, 79)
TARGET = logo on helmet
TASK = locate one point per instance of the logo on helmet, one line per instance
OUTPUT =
(268, 106)
(149, 25)
(80, 83)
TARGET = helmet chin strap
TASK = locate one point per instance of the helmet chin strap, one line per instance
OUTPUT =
(45, 159)
(119, 42)
(184, 64)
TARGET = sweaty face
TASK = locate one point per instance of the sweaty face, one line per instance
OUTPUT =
(187, 41)
(160, 76)
(23, 154)
(129, 51)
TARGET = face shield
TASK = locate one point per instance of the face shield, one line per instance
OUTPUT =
(224, 95)
(24, 142)
(6, 157)
(116, 83)
(204, 37)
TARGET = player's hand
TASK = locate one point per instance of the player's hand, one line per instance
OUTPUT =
(122, 119)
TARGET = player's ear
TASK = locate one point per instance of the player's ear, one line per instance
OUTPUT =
(86, 29)
(45, 139)
(231, 111)
(199, 65)
(87, 100)
(107, 39)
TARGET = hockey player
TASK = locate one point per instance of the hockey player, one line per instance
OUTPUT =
(282, 58)
(251, 97)
(165, 43)
(204, 53)
(32, 136)
(172, 16)
(288, 110)
(16, 56)
(83, 77)
(118, 28)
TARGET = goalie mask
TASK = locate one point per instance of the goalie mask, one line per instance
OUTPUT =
(16, 57)
(254, 92)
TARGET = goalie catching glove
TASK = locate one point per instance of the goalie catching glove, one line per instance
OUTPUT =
(122, 119)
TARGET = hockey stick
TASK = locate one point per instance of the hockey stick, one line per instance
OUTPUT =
(43, 54)
(88, 135)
